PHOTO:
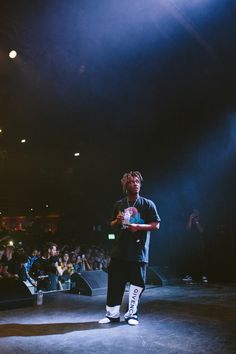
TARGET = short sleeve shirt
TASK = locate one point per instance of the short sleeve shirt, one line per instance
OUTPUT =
(134, 246)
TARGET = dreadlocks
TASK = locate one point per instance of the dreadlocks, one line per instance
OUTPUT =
(126, 177)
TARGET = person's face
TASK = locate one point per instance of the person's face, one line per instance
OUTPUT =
(65, 257)
(73, 259)
(133, 185)
(53, 251)
(8, 252)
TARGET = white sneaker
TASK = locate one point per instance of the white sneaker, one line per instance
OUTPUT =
(107, 320)
(187, 278)
(204, 279)
(133, 322)
(131, 319)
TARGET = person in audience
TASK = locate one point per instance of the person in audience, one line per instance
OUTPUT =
(2, 249)
(1, 262)
(31, 259)
(22, 273)
(78, 250)
(66, 267)
(98, 259)
(89, 255)
(85, 264)
(9, 263)
(196, 246)
(45, 270)
(77, 263)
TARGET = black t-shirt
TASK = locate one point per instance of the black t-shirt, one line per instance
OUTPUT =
(43, 266)
(134, 246)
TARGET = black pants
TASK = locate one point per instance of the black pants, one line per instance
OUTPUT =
(121, 272)
(197, 260)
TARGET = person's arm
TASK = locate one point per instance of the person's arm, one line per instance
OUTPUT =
(189, 223)
(5, 271)
(152, 222)
(70, 269)
(118, 221)
(152, 226)
(87, 265)
(58, 268)
(31, 280)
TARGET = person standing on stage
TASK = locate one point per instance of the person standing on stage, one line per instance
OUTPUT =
(196, 250)
(133, 218)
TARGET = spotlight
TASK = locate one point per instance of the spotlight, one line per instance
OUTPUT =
(11, 243)
(23, 141)
(12, 54)
(76, 154)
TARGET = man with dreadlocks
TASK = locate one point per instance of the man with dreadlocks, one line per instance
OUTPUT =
(133, 218)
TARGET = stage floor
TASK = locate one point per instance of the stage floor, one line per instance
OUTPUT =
(173, 319)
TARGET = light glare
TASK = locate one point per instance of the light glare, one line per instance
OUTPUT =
(12, 54)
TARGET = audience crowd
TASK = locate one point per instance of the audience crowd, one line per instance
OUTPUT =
(51, 267)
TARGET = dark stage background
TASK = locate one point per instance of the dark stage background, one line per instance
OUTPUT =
(130, 85)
